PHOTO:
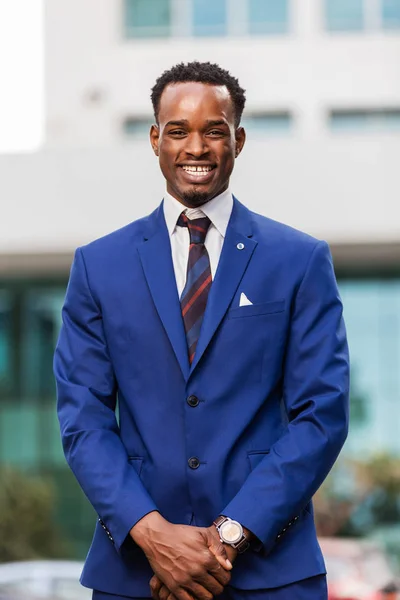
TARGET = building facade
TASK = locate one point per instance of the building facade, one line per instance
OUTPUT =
(322, 154)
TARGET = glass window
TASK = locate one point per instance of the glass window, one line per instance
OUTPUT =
(372, 316)
(267, 123)
(137, 128)
(344, 15)
(385, 120)
(147, 18)
(23, 449)
(209, 17)
(30, 319)
(41, 322)
(6, 359)
(268, 17)
(391, 14)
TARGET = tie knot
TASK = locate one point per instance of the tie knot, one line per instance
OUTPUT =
(197, 228)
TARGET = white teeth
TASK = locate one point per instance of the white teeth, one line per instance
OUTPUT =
(193, 169)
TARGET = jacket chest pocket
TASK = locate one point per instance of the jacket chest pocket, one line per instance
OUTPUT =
(254, 310)
(250, 336)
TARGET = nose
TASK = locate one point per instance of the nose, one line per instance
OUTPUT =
(196, 144)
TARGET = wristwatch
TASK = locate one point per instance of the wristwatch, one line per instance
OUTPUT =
(231, 532)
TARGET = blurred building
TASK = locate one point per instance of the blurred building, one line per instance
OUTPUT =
(323, 123)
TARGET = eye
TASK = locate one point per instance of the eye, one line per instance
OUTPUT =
(216, 133)
(177, 132)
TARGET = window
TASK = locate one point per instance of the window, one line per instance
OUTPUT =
(344, 15)
(41, 321)
(372, 316)
(380, 120)
(209, 17)
(137, 128)
(147, 18)
(6, 357)
(256, 125)
(356, 15)
(391, 14)
(268, 17)
(163, 18)
(274, 123)
(30, 318)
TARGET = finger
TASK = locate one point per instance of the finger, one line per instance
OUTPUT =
(210, 583)
(215, 569)
(155, 586)
(217, 547)
(219, 551)
(220, 573)
(181, 594)
(163, 593)
(155, 582)
(200, 592)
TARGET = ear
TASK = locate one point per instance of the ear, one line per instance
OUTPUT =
(154, 138)
(240, 138)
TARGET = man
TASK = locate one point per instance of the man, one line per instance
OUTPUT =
(221, 334)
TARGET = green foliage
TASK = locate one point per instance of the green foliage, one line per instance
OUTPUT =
(359, 496)
(27, 529)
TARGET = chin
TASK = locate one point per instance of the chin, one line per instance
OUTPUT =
(196, 197)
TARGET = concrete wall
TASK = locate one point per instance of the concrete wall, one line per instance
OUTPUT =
(89, 179)
(346, 192)
(308, 71)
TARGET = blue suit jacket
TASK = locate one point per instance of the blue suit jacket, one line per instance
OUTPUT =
(272, 380)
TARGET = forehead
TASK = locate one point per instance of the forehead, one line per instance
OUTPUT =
(193, 100)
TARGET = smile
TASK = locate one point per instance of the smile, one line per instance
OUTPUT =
(197, 171)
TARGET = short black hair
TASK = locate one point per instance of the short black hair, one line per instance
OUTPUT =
(202, 72)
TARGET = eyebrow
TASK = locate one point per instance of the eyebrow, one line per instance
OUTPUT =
(182, 122)
(210, 122)
(213, 123)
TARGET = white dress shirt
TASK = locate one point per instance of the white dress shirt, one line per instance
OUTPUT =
(218, 210)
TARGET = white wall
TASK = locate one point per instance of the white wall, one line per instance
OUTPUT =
(88, 180)
(308, 71)
(347, 191)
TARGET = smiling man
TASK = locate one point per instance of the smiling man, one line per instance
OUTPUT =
(220, 333)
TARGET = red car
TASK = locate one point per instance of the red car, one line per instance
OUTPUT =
(358, 570)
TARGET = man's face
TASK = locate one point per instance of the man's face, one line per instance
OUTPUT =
(196, 141)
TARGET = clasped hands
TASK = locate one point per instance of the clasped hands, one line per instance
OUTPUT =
(188, 562)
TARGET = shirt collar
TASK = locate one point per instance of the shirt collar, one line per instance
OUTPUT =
(218, 210)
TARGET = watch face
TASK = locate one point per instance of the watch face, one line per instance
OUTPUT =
(231, 532)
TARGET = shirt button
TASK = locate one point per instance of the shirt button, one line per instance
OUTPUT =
(194, 462)
(193, 401)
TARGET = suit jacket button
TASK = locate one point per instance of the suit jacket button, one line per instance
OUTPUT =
(194, 462)
(193, 401)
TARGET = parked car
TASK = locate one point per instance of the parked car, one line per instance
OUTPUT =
(42, 580)
(358, 570)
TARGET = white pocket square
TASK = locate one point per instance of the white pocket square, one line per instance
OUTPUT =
(244, 301)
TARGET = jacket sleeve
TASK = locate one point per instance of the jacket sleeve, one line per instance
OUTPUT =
(87, 391)
(316, 397)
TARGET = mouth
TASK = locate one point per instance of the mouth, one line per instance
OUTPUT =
(197, 173)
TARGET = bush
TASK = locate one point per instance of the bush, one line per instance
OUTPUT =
(27, 528)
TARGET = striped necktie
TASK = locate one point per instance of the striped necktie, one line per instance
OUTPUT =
(198, 280)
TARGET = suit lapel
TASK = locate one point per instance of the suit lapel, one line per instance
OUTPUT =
(156, 258)
(235, 256)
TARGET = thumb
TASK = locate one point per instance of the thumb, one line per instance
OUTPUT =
(219, 551)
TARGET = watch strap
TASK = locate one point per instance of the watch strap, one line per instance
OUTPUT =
(218, 522)
(242, 545)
